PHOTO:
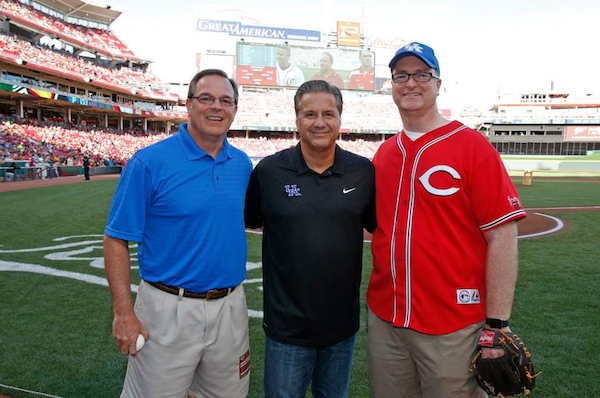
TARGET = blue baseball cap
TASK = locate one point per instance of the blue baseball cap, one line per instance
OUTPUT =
(421, 51)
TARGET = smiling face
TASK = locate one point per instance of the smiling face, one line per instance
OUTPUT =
(318, 121)
(210, 123)
(413, 96)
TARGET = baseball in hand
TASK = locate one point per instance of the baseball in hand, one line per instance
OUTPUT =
(139, 344)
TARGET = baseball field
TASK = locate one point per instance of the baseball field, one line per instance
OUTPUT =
(55, 310)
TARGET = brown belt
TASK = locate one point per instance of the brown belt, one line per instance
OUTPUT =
(212, 294)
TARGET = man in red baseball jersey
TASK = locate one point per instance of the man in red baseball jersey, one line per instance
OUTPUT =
(363, 77)
(326, 71)
(445, 247)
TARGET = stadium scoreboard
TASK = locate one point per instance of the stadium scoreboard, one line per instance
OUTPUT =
(256, 63)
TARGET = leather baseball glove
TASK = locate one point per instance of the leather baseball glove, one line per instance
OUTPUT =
(512, 373)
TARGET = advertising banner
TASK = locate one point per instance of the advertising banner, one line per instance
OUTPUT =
(582, 133)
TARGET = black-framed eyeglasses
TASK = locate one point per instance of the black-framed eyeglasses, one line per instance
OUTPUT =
(206, 99)
(421, 77)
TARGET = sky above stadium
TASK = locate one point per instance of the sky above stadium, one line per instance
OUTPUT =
(484, 47)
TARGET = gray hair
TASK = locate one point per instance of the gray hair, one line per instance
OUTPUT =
(318, 86)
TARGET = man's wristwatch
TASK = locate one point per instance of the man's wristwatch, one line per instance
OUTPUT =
(495, 323)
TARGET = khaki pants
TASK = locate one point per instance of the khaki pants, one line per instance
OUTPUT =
(195, 347)
(404, 363)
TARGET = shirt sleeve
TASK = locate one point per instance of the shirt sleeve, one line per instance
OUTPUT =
(252, 213)
(494, 196)
(127, 216)
(369, 217)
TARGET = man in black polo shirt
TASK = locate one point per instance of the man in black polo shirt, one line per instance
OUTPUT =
(313, 202)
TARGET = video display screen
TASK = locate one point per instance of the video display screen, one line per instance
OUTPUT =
(283, 65)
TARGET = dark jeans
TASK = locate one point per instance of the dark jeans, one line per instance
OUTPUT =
(290, 368)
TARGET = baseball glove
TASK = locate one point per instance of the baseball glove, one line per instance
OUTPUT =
(508, 375)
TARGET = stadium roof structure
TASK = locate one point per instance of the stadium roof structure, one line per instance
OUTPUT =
(83, 10)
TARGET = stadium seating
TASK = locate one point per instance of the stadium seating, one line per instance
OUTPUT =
(264, 124)
(275, 109)
(64, 63)
(26, 139)
(65, 144)
(93, 38)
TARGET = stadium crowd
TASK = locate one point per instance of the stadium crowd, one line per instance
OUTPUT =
(264, 124)
(59, 143)
(80, 68)
(66, 144)
(95, 38)
(275, 108)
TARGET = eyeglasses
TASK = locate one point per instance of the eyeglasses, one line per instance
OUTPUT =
(208, 100)
(420, 77)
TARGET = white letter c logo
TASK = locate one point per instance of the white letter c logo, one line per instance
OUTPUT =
(436, 191)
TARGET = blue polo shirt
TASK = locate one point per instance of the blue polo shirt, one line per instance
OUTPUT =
(186, 211)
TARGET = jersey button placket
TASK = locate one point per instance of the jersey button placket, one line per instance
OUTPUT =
(216, 175)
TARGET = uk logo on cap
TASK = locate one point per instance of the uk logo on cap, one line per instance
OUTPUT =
(419, 50)
(414, 47)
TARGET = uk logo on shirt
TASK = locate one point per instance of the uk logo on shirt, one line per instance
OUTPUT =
(293, 190)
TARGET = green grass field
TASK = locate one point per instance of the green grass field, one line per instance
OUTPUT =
(55, 310)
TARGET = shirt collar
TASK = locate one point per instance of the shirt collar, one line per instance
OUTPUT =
(301, 166)
(193, 152)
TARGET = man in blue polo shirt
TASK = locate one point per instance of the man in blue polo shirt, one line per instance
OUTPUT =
(182, 200)
(313, 202)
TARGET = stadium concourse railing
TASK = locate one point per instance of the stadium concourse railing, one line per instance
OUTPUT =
(49, 172)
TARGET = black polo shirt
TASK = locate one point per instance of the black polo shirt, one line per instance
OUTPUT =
(312, 244)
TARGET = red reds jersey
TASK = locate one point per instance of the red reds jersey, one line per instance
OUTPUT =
(332, 78)
(359, 79)
(434, 198)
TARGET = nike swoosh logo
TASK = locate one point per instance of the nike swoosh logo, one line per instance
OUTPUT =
(345, 191)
